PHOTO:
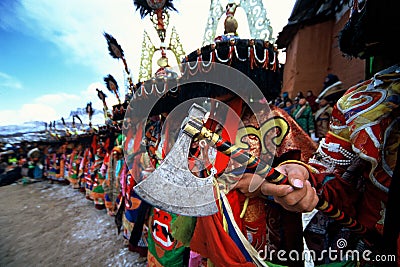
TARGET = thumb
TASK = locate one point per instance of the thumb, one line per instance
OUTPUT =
(296, 174)
(296, 182)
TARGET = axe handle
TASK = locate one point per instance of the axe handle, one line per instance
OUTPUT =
(254, 164)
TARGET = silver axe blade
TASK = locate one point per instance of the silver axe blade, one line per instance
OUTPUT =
(172, 186)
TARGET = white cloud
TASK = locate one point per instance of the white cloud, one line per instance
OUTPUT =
(77, 27)
(8, 82)
(28, 112)
(52, 107)
(56, 99)
(32, 112)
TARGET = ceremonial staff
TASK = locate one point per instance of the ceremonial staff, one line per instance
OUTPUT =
(89, 111)
(116, 51)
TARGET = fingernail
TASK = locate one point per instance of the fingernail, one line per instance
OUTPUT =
(290, 189)
(298, 183)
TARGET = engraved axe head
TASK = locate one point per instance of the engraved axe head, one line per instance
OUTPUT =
(173, 187)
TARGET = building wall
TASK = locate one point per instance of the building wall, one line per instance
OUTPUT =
(314, 53)
(349, 71)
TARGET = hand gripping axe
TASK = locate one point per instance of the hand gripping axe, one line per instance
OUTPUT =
(174, 188)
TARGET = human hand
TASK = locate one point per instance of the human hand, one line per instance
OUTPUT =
(299, 196)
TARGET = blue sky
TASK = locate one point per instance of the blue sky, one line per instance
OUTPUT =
(53, 54)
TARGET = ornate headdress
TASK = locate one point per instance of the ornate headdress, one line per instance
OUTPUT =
(256, 59)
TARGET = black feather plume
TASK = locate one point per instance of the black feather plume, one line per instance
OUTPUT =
(89, 109)
(145, 9)
(101, 94)
(113, 47)
(112, 85)
(63, 121)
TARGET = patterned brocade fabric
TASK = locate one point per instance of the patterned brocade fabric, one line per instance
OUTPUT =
(357, 157)
(365, 124)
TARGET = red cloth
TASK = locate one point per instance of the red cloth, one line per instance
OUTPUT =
(209, 238)
(229, 131)
(94, 144)
(211, 241)
(107, 144)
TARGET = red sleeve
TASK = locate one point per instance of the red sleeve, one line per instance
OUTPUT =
(336, 191)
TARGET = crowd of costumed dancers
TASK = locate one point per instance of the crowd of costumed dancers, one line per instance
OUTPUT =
(340, 181)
